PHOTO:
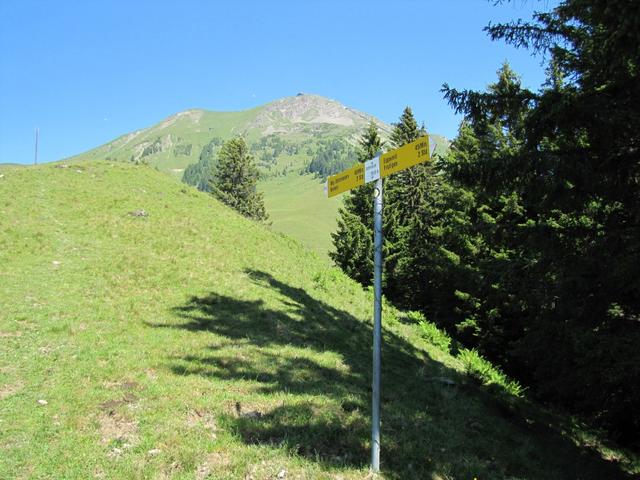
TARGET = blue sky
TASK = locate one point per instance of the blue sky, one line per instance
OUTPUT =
(85, 72)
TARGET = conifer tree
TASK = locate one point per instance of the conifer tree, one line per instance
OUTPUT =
(404, 190)
(555, 174)
(234, 180)
(404, 193)
(199, 174)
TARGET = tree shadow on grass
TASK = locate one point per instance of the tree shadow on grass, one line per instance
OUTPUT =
(322, 356)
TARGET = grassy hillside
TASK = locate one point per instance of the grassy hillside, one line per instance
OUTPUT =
(175, 142)
(8, 166)
(148, 332)
(293, 201)
(284, 135)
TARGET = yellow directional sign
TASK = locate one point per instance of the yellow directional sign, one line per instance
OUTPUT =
(404, 157)
(345, 180)
(391, 162)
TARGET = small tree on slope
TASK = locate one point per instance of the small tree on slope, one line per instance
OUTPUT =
(234, 180)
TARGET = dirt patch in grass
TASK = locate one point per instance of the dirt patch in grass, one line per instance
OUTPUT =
(212, 463)
(10, 334)
(118, 432)
(7, 390)
(198, 418)
(111, 406)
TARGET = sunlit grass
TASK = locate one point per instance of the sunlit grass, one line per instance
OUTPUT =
(192, 343)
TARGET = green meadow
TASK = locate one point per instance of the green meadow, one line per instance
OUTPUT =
(299, 208)
(147, 331)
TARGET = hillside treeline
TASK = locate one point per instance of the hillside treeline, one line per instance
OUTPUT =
(524, 240)
(332, 156)
(200, 174)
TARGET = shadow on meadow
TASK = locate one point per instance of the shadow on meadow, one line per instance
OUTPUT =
(428, 426)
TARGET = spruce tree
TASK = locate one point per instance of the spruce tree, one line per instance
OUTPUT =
(199, 174)
(234, 180)
(404, 193)
(556, 176)
(404, 190)
(353, 240)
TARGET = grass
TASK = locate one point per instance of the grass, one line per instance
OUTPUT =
(298, 207)
(192, 343)
(9, 166)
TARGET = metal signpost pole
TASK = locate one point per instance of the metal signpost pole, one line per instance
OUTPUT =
(377, 326)
(376, 169)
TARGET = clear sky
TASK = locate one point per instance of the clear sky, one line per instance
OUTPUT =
(85, 72)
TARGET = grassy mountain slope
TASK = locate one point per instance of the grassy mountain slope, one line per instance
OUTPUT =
(177, 141)
(188, 342)
(285, 135)
(310, 217)
(8, 166)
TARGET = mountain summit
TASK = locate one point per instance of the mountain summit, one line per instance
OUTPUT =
(280, 116)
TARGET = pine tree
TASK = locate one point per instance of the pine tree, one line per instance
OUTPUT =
(556, 179)
(406, 130)
(199, 174)
(234, 180)
(406, 189)
(404, 193)
(353, 240)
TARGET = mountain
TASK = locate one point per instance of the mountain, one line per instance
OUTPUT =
(178, 140)
(296, 141)
(147, 331)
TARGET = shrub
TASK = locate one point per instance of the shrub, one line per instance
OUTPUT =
(435, 336)
(486, 373)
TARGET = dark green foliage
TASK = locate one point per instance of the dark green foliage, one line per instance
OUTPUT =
(332, 156)
(234, 179)
(555, 177)
(353, 241)
(269, 148)
(152, 148)
(408, 205)
(273, 143)
(524, 242)
(199, 174)
(266, 159)
(182, 149)
(353, 245)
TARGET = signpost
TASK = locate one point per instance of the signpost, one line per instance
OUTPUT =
(404, 157)
(346, 180)
(376, 169)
